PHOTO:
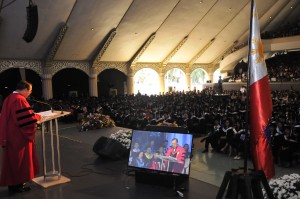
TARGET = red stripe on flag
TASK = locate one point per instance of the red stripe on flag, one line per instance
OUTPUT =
(260, 105)
(262, 156)
(260, 113)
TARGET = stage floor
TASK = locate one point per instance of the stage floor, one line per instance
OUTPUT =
(94, 177)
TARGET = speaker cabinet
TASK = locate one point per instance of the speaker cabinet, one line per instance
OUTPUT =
(32, 23)
(109, 148)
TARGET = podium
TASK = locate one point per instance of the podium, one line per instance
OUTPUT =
(52, 177)
(168, 159)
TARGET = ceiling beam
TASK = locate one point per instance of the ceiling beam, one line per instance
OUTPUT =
(174, 51)
(224, 54)
(53, 50)
(1, 4)
(243, 39)
(141, 51)
(278, 15)
(101, 52)
(194, 59)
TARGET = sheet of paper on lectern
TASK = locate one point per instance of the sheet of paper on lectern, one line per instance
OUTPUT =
(47, 113)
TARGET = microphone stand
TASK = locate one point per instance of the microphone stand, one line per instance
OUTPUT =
(60, 107)
(41, 102)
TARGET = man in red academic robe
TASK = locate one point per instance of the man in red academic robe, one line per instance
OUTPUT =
(177, 152)
(17, 132)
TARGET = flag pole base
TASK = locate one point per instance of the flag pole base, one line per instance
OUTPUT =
(246, 184)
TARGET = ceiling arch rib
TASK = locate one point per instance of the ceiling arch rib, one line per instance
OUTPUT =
(265, 21)
(102, 50)
(230, 13)
(194, 59)
(222, 55)
(138, 23)
(89, 23)
(181, 22)
(53, 50)
(211, 24)
(174, 51)
(273, 13)
(142, 49)
(264, 13)
(284, 13)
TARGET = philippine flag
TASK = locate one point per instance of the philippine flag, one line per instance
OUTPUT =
(260, 101)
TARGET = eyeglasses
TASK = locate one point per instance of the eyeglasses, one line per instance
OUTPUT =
(30, 91)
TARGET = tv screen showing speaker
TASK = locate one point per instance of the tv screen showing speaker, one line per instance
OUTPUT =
(161, 151)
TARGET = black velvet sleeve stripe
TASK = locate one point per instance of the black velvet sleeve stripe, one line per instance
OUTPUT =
(27, 123)
(23, 110)
(25, 116)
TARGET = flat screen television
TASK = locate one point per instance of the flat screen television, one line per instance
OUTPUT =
(168, 152)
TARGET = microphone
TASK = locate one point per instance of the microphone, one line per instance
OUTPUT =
(41, 102)
(60, 107)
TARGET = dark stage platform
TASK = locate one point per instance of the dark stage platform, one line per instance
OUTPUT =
(94, 177)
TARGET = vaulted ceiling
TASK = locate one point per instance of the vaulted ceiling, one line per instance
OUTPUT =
(166, 31)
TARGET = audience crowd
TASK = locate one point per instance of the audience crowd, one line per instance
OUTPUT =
(218, 119)
(282, 67)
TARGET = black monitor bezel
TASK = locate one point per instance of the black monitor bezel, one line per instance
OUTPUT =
(164, 129)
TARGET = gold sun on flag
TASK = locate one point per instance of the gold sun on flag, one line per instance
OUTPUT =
(258, 51)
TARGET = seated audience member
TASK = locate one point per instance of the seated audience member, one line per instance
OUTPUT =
(153, 147)
(161, 151)
(148, 155)
(288, 145)
(227, 134)
(156, 162)
(238, 139)
(212, 137)
(274, 142)
(187, 159)
(139, 161)
(136, 150)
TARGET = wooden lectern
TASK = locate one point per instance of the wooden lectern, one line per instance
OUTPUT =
(54, 176)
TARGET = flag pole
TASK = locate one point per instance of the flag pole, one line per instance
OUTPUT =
(248, 93)
(244, 182)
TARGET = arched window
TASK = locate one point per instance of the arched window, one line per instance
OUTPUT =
(175, 80)
(217, 74)
(10, 77)
(198, 78)
(146, 81)
(65, 85)
(111, 82)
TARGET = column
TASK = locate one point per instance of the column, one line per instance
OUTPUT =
(93, 87)
(162, 82)
(188, 81)
(130, 84)
(47, 87)
(22, 73)
(211, 77)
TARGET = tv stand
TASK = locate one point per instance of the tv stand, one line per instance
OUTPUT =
(176, 182)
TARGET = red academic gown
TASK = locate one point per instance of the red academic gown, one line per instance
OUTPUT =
(17, 131)
(179, 154)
